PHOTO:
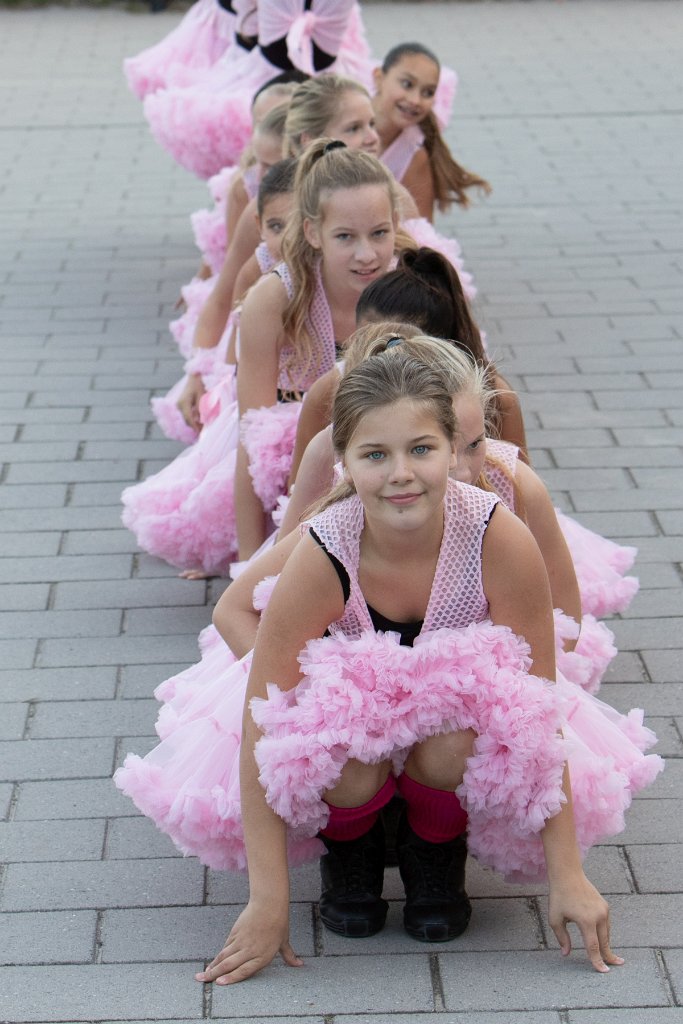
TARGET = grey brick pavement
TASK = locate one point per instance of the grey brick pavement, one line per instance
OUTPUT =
(572, 110)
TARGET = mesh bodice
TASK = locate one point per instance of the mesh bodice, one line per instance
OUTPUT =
(299, 376)
(264, 258)
(507, 454)
(457, 597)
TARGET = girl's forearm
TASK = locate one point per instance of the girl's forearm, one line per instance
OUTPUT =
(250, 517)
(212, 320)
(265, 833)
(562, 857)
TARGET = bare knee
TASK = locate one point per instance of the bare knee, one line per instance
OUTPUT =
(358, 784)
(440, 761)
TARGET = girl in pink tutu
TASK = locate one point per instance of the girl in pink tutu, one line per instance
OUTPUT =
(448, 572)
(424, 289)
(330, 106)
(366, 698)
(205, 125)
(412, 145)
(340, 239)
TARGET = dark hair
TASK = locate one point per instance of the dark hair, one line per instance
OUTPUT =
(277, 181)
(407, 50)
(424, 290)
(285, 78)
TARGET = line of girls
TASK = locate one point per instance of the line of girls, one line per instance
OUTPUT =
(334, 713)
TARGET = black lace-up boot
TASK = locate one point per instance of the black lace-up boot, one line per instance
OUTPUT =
(352, 874)
(433, 874)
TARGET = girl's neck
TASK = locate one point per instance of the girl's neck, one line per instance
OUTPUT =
(403, 546)
(384, 127)
(342, 303)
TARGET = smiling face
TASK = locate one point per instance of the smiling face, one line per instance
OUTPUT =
(470, 440)
(355, 236)
(405, 93)
(398, 460)
(354, 122)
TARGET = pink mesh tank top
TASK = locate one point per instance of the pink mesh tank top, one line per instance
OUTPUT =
(457, 596)
(299, 376)
(264, 258)
(507, 455)
(397, 156)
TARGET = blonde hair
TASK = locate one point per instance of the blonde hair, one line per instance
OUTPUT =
(384, 379)
(313, 105)
(321, 171)
(274, 122)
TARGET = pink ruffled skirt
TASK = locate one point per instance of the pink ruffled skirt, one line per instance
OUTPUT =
(600, 565)
(372, 700)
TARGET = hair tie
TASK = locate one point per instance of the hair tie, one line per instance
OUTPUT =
(395, 340)
(335, 144)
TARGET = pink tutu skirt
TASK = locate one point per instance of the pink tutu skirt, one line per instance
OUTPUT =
(209, 225)
(205, 126)
(185, 514)
(372, 700)
(600, 565)
(204, 35)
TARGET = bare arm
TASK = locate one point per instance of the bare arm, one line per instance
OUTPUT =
(419, 182)
(316, 414)
(216, 309)
(260, 343)
(306, 599)
(238, 200)
(542, 522)
(248, 275)
(314, 479)
(511, 419)
(517, 587)
(234, 616)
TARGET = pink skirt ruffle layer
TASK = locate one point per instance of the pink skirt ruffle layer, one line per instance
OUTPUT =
(185, 514)
(372, 700)
(600, 565)
(204, 35)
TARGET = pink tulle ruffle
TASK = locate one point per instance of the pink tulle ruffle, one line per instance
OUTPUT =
(600, 565)
(268, 436)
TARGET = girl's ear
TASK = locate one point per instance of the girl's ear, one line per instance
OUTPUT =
(347, 476)
(453, 460)
(304, 139)
(377, 76)
(312, 234)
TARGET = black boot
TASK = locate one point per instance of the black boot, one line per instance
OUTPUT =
(437, 907)
(352, 875)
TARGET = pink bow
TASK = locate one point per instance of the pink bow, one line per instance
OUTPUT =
(300, 42)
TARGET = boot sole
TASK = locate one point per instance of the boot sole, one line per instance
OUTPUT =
(353, 929)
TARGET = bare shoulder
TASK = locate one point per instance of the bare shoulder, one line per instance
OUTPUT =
(510, 555)
(265, 302)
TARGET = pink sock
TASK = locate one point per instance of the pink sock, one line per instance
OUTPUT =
(347, 823)
(435, 815)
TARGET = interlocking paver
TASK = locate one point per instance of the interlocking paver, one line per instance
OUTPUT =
(62, 936)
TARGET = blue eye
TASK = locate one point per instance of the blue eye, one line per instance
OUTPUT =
(375, 456)
(421, 449)
(474, 445)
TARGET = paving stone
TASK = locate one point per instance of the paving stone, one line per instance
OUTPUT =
(647, 634)
(28, 496)
(643, 1015)
(186, 933)
(332, 985)
(18, 544)
(51, 841)
(68, 799)
(28, 597)
(6, 792)
(167, 621)
(118, 650)
(57, 684)
(642, 921)
(94, 718)
(673, 959)
(657, 869)
(72, 472)
(13, 721)
(87, 542)
(48, 938)
(651, 821)
(604, 865)
(77, 993)
(68, 518)
(17, 653)
(528, 981)
(64, 623)
(114, 883)
(141, 680)
(73, 567)
(133, 838)
(663, 666)
(58, 758)
(136, 593)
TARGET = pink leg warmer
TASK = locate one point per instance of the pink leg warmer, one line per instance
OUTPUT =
(346, 823)
(435, 815)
